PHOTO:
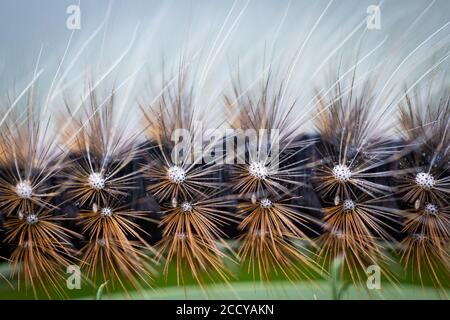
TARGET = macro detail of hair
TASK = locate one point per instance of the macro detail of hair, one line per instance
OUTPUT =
(265, 186)
(424, 184)
(202, 159)
(350, 159)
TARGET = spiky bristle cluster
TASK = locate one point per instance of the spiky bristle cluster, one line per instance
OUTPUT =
(424, 185)
(266, 180)
(294, 204)
(186, 188)
(350, 160)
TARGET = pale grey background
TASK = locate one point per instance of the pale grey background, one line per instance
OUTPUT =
(257, 31)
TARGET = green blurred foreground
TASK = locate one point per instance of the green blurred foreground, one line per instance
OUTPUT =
(241, 287)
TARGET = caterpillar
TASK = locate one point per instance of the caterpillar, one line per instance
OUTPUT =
(200, 178)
